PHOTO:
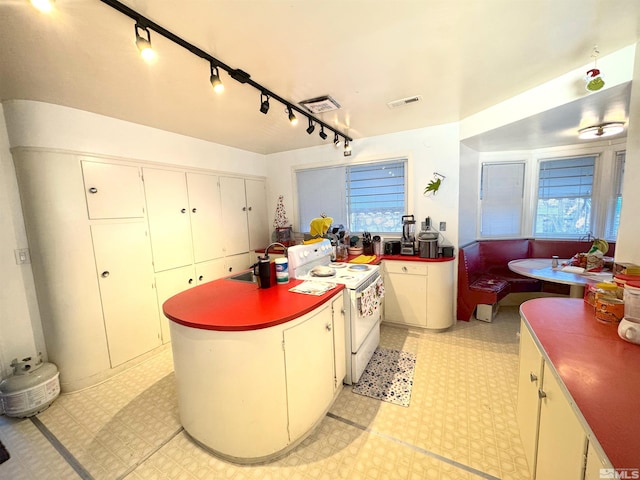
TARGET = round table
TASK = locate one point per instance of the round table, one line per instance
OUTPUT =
(541, 269)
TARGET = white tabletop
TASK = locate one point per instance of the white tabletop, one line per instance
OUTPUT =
(541, 269)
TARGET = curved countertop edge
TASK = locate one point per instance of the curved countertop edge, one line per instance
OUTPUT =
(588, 357)
(228, 305)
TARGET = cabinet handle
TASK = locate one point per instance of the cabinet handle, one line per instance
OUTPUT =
(190, 280)
(200, 278)
(231, 269)
(533, 377)
(404, 269)
(193, 209)
(183, 210)
(342, 312)
(329, 327)
(244, 209)
(249, 209)
(93, 190)
(105, 274)
(541, 393)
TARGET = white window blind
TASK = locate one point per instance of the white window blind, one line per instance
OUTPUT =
(376, 197)
(615, 202)
(501, 199)
(565, 188)
(369, 197)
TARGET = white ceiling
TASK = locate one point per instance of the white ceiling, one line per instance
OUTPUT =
(460, 56)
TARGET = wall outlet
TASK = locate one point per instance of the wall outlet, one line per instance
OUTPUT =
(443, 226)
(22, 256)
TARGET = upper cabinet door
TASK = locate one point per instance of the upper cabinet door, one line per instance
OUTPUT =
(168, 213)
(257, 214)
(206, 216)
(112, 191)
(234, 215)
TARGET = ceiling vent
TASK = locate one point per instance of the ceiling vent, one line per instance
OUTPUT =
(320, 104)
(404, 101)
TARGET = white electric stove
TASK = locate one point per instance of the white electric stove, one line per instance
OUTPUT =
(362, 328)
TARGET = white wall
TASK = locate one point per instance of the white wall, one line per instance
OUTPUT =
(36, 124)
(469, 194)
(434, 149)
(628, 243)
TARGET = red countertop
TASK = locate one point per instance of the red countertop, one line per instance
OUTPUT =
(237, 306)
(599, 369)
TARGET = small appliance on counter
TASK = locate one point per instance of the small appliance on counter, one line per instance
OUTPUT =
(392, 247)
(407, 244)
(428, 240)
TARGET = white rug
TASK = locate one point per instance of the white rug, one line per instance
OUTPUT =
(388, 376)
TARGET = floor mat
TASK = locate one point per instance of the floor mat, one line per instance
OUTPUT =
(388, 376)
(4, 455)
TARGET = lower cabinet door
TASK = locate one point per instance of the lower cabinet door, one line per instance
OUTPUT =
(170, 283)
(405, 293)
(129, 303)
(339, 347)
(562, 441)
(308, 351)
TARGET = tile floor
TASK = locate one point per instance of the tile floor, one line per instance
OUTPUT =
(460, 423)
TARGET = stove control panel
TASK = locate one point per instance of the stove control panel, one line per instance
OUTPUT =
(304, 254)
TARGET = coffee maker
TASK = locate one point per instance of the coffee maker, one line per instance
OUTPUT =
(407, 244)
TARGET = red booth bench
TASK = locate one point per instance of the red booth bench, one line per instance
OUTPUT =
(484, 277)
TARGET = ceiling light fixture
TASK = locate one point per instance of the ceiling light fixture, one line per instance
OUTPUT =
(336, 141)
(599, 131)
(143, 40)
(216, 83)
(292, 117)
(264, 103)
(311, 127)
(45, 6)
(322, 134)
(347, 146)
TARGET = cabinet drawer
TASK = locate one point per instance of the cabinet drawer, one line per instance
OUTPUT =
(410, 268)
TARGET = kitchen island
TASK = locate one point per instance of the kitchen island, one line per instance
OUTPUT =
(578, 389)
(256, 369)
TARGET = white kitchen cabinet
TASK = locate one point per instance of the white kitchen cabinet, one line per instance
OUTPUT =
(206, 216)
(113, 191)
(528, 406)
(209, 271)
(168, 213)
(237, 263)
(123, 264)
(244, 214)
(309, 363)
(405, 286)
(554, 439)
(596, 461)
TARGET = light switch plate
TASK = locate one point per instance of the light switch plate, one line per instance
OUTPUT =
(22, 256)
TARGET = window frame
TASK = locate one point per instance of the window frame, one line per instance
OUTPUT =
(408, 185)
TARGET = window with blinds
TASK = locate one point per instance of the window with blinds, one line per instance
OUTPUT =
(565, 189)
(501, 199)
(366, 197)
(615, 202)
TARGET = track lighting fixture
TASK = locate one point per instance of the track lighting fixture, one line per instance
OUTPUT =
(292, 118)
(311, 127)
(143, 27)
(45, 6)
(144, 42)
(336, 141)
(216, 83)
(264, 103)
(347, 146)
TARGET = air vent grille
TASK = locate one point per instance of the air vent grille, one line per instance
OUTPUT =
(404, 101)
(320, 104)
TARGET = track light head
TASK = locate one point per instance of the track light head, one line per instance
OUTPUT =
(311, 127)
(264, 103)
(216, 83)
(347, 146)
(292, 118)
(336, 141)
(322, 134)
(45, 6)
(143, 42)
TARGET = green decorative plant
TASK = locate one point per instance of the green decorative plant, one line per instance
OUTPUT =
(434, 185)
